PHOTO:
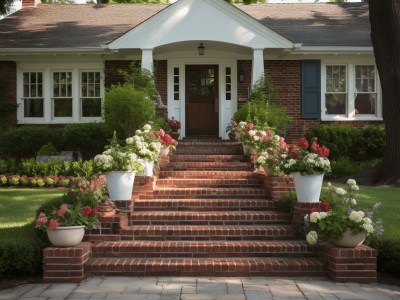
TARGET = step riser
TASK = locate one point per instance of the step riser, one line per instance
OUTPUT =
(201, 209)
(138, 253)
(211, 183)
(208, 174)
(209, 158)
(202, 238)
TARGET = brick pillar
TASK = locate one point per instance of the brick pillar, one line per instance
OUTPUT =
(350, 264)
(66, 264)
(143, 187)
(300, 209)
(277, 186)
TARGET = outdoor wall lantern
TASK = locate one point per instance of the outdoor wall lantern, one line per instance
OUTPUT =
(241, 76)
(201, 49)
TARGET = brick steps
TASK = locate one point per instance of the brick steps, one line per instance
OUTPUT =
(205, 267)
(207, 192)
(208, 233)
(207, 218)
(202, 249)
(209, 158)
(192, 165)
(215, 174)
(204, 205)
(212, 182)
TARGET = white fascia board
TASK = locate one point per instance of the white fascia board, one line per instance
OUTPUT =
(40, 51)
(332, 50)
(222, 22)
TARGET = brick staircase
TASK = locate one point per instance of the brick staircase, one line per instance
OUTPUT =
(209, 215)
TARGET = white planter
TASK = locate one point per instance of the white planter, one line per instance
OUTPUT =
(308, 187)
(120, 185)
(148, 168)
(164, 151)
(246, 149)
(68, 236)
(349, 240)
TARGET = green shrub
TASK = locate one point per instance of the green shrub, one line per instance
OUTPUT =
(48, 150)
(87, 138)
(388, 255)
(9, 166)
(373, 140)
(25, 141)
(126, 110)
(344, 166)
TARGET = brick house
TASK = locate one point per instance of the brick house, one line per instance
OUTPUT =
(58, 59)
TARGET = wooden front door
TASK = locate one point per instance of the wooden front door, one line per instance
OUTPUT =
(202, 100)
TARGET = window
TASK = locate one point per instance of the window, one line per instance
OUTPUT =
(62, 94)
(228, 83)
(336, 90)
(33, 94)
(351, 92)
(90, 94)
(176, 84)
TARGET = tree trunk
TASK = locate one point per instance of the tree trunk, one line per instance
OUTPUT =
(385, 35)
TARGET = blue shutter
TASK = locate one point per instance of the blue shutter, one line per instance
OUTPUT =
(311, 89)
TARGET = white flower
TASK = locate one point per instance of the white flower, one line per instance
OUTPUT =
(354, 187)
(351, 182)
(323, 214)
(340, 191)
(261, 160)
(367, 221)
(292, 162)
(368, 228)
(353, 201)
(356, 216)
(138, 132)
(256, 138)
(252, 132)
(147, 127)
(329, 184)
(129, 141)
(312, 237)
(315, 217)
(277, 138)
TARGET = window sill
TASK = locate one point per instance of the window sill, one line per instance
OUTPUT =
(356, 118)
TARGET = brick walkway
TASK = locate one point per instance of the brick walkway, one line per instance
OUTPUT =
(198, 288)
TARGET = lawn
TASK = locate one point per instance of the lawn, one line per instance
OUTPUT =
(18, 208)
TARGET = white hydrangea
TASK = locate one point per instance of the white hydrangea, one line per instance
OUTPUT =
(368, 228)
(340, 191)
(292, 162)
(277, 138)
(138, 132)
(352, 201)
(261, 160)
(252, 132)
(256, 138)
(129, 141)
(351, 182)
(323, 214)
(356, 216)
(312, 237)
(329, 184)
(147, 127)
(315, 217)
(367, 220)
(354, 187)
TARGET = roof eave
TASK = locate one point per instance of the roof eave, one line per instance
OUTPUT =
(332, 50)
(41, 51)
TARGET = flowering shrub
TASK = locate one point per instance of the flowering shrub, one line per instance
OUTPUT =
(259, 138)
(174, 124)
(145, 144)
(166, 140)
(331, 220)
(274, 151)
(67, 215)
(117, 158)
(306, 159)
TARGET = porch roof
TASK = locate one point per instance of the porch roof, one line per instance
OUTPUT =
(91, 26)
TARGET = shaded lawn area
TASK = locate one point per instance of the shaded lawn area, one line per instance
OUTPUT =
(18, 208)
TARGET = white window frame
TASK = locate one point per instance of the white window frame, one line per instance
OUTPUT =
(23, 98)
(47, 70)
(351, 93)
(73, 86)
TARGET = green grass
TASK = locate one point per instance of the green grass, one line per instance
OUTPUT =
(18, 208)
(367, 196)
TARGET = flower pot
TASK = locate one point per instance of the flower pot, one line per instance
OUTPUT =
(68, 236)
(232, 136)
(120, 185)
(246, 149)
(148, 168)
(308, 187)
(349, 240)
(164, 151)
(174, 134)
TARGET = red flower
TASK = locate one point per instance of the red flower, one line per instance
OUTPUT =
(314, 209)
(303, 143)
(86, 211)
(294, 151)
(160, 133)
(323, 151)
(93, 212)
(53, 224)
(250, 126)
(62, 210)
(325, 206)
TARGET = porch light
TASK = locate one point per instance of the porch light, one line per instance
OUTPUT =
(241, 76)
(201, 49)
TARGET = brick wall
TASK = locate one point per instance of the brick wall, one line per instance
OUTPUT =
(8, 77)
(244, 87)
(161, 79)
(30, 3)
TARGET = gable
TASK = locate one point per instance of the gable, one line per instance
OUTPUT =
(205, 20)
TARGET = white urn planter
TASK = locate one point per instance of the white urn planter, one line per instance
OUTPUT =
(308, 187)
(66, 236)
(120, 185)
(148, 168)
(164, 151)
(350, 240)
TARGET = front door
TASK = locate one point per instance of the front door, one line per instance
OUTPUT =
(202, 101)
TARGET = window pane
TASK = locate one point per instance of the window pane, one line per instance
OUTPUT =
(365, 104)
(91, 107)
(365, 79)
(63, 107)
(335, 104)
(336, 81)
(33, 108)
(228, 96)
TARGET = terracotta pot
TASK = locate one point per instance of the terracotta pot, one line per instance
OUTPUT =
(68, 236)
(349, 240)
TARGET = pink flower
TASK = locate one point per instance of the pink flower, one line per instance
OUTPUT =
(42, 219)
(53, 224)
(62, 210)
(303, 143)
(250, 126)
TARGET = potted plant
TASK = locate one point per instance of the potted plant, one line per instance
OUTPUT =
(167, 142)
(174, 125)
(339, 221)
(65, 225)
(120, 165)
(231, 129)
(307, 164)
(146, 145)
(274, 150)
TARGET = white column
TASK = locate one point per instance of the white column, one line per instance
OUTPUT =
(147, 59)
(258, 65)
